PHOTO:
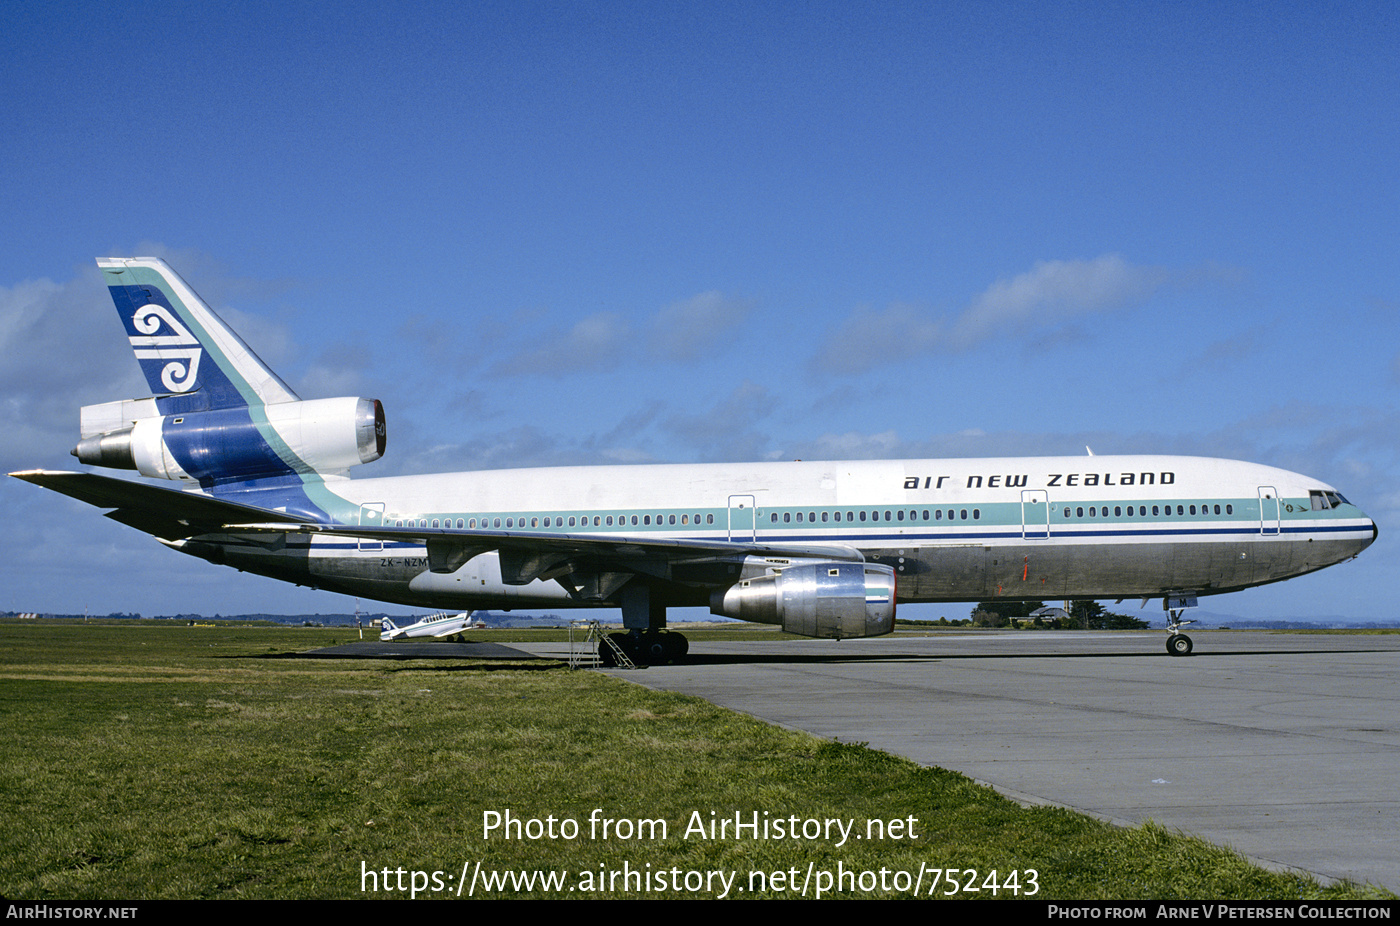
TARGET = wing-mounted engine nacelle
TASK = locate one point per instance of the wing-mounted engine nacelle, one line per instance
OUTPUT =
(835, 600)
(322, 435)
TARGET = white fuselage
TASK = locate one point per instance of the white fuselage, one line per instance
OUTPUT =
(953, 530)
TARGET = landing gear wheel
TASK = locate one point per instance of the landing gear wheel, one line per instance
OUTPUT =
(662, 647)
(1179, 644)
(655, 649)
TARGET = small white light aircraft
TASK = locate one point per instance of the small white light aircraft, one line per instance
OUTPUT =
(435, 625)
(820, 549)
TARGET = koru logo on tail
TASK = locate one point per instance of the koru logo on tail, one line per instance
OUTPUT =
(180, 350)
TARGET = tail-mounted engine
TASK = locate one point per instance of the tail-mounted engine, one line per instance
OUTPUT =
(834, 600)
(247, 442)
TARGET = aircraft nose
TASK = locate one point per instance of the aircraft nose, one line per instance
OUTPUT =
(1375, 532)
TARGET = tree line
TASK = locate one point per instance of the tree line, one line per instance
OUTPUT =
(1082, 615)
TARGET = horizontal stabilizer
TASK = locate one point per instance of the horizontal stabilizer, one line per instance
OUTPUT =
(168, 513)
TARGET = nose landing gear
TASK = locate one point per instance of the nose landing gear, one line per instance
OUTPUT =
(1178, 643)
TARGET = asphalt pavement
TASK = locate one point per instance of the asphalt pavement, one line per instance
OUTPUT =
(1284, 746)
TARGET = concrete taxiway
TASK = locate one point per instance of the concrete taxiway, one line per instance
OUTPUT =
(1285, 747)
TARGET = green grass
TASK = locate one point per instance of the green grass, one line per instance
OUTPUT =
(149, 760)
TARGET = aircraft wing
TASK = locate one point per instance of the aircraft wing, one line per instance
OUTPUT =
(528, 555)
(525, 555)
(588, 564)
(167, 513)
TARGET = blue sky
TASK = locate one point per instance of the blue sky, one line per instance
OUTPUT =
(572, 233)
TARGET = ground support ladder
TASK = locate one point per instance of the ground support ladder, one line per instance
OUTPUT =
(584, 650)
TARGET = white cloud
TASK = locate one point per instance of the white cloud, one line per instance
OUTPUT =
(869, 338)
(727, 432)
(690, 328)
(1053, 291)
(1049, 295)
(681, 332)
(61, 347)
(593, 343)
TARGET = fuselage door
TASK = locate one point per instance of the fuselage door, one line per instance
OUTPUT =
(743, 522)
(371, 515)
(1268, 510)
(1035, 514)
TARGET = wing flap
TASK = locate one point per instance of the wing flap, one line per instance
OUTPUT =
(623, 546)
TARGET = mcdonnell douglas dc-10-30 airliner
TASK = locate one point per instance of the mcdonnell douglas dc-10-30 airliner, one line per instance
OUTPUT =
(820, 549)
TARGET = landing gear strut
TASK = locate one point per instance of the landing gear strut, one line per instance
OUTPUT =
(647, 641)
(1178, 643)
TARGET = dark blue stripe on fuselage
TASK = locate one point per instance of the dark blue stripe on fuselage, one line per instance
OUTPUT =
(856, 540)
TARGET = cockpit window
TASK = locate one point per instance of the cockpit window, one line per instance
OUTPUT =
(1321, 500)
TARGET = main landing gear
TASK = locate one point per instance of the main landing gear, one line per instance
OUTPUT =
(645, 647)
(1178, 643)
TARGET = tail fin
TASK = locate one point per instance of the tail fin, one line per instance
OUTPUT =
(388, 630)
(219, 416)
(185, 350)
